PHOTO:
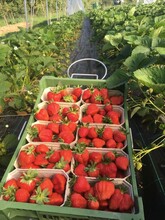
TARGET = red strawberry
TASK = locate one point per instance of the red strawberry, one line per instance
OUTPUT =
(12, 182)
(97, 118)
(111, 143)
(55, 199)
(54, 127)
(66, 153)
(36, 128)
(108, 107)
(96, 98)
(53, 108)
(41, 160)
(62, 164)
(109, 156)
(89, 193)
(115, 200)
(104, 189)
(119, 145)
(70, 98)
(93, 203)
(87, 119)
(9, 190)
(85, 141)
(46, 135)
(92, 132)
(27, 180)
(41, 148)
(109, 170)
(114, 117)
(81, 154)
(65, 111)
(116, 100)
(102, 112)
(95, 157)
(54, 96)
(47, 184)
(83, 131)
(30, 166)
(73, 116)
(122, 162)
(81, 185)
(119, 135)
(86, 94)
(104, 93)
(26, 156)
(55, 118)
(42, 114)
(126, 203)
(64, 127)
(103, 204)
(98, 143)
(92, 170)
(72, 126)
(78, 201)
(22, 195)
(77, 92)
(59, 183)
(107, 133)
(66, 137)
(53, 156)
(92, 109)
(80, 170)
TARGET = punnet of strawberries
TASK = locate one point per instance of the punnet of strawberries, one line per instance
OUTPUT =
(52, 132)
(101, 136)
(53, 111)
(62, 94)
(102, 195)
(102, 96)
(101, 114)
(39, 156)
(38, 187)
(96, 164)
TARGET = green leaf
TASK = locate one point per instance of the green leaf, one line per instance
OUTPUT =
(131, 12)
(4, 51)
(139, 49)
(135, 110)
(152, 78)
(119, 77)
(10, 141)
(115, 40)
(160, 50)
(4, 86)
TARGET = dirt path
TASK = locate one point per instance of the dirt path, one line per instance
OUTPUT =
(11, 28)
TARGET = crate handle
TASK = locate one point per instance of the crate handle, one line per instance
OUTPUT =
(84, 74)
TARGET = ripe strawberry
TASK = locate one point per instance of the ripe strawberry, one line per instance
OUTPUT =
(104, 189)
(81, 154)
(84, 141)
(119, 145)
(92, 109)
(104, 93)
(72, 126)
(86, 94)
(70, 98)
(93, 203)
(115, 200)
(89, 193)
(53, 108)
(30, 166)
(46, 184)
(98, 143)
(54, 127)
(111, 143)
(53, 156)
(92, 170)
(64, 127)
(59, 183)
(51, 96)
(114, 117)
(83, 131)
(108, 107)
(36, 128)
(55, 199)
(78, 201)
(122, 162)
(119, 136)
(41, 160)
(81, 185)
(80, 170)
(102, 112)
(65, 111)
(103, 204)
(109, 156)
(42, 114)
(46, 135)
(12, 182)
(22, 195)
(41, 148)
(62, 164)
(116, 100)
(109, 170)
(87, 119)
(26, 156)
(55, 118)
(92, 132)
(95, 157)
(126, 203)
(107, 133)
(9, 189)
(73, 116)
(77, 92)
(66, 137)
(64, 92)
(96, 98)
(27, 180)
(97, 118)
(66, 153)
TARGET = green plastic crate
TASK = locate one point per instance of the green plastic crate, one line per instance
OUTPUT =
(27, 211)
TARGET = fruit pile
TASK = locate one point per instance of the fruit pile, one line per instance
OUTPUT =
(31, 187)
(52, 132)
(100, 195)
(53, 111)
(43, 156)
(101, 136)
(96, 164)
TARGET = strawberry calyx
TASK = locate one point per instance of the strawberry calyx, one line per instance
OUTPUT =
(68, 98)
(9, 193)
(40, 196)
(29, 150)
(29, 176)
(91, 167)
(79, 148)
(60, 164)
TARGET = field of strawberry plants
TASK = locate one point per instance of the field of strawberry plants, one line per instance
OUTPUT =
(75, 159)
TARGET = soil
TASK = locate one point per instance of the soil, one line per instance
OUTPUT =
(11, 28)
